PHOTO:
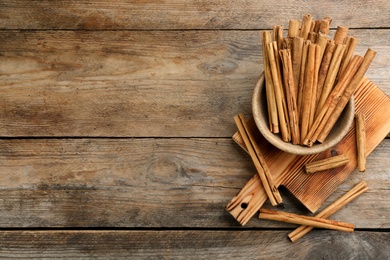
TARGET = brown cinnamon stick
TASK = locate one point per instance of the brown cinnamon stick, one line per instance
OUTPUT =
(279, 97)
(322, 41)
(340, 35)
(296, 61)
(324, 71)
(317, 24)
(331, 75)
(331, 209)
(289, 85)
(305, 220)
(361, 141)
(269, 86)
(325, 25)
(278, 36)
(350, 47)
(306, 26)
(344, 98)
(301, 85)
(293, 28)
(257, 158)
(314, 99)
(307, 92)
(312, 37)
(287, 43)
(282, 92)
(326, 164)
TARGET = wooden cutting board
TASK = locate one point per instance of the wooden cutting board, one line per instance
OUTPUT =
(288, 169)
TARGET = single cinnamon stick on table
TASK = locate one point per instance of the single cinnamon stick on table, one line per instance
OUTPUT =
(326, 164)
(361, 141)
(368, 58)
(257, 158)
(269, 86)
(330, 210)
(289, 85)
(305, 220)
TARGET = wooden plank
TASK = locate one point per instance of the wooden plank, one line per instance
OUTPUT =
(138, 83)
(188, 14)
(194, 244)
(152, 183)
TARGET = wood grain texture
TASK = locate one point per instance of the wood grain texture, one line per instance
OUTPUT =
(186, 14)
(138, 83)
(156, 70)
(178, 183)
(203, 244)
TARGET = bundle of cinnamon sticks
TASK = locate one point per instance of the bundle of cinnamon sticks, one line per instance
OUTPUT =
(310, 78)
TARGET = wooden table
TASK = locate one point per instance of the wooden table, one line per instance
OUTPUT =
(116, 121)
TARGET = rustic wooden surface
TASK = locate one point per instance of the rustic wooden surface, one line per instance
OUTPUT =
(116, 125)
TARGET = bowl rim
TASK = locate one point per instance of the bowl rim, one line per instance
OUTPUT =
(275, 139)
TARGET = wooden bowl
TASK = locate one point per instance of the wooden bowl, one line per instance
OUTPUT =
(260, 115)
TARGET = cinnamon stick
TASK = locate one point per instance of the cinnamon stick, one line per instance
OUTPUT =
(307, 92)
(317, 24)
(293, 28)
(331, 209)
(322, 41)
(331, 75)
(278, 36)
(269, 86)
(301, 85)
(340, 35)
(344, 98)
(296, 60)
(325, 25)
(257, 158)
(326, 164)
(312, 37)
(289, 85)
(361, 141)
(282, 92)
(306, 26)
(280, 102)
(313, 25)
(350, 44)
(314, 99)
(305, 220)
(287, 43)
(324, 71)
